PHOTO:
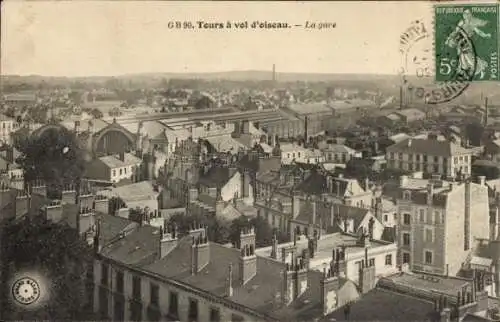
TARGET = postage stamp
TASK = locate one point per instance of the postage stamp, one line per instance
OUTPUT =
(417, 68)
(477, 23)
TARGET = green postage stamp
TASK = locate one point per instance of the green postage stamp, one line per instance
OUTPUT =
(466, 39)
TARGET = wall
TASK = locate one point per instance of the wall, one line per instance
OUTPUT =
(232, 187)
(127, 172)
(165, 289)
(378, 253)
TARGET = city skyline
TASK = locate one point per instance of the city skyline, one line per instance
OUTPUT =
(56, 38)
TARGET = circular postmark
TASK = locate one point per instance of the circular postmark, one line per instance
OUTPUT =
(455, 62)
(26, 290)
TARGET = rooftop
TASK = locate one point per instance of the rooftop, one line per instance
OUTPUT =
(444, 285)
(113, 161)
(427, 147)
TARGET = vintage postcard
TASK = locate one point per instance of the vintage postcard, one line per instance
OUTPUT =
(250, 161)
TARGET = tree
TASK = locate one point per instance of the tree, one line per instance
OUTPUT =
(116, 203)
(54, 156)
(474, 133)
(96, 113)
(217, 229)
(61, 258)
(263, 231)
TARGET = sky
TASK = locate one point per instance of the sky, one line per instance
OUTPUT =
(100, 38)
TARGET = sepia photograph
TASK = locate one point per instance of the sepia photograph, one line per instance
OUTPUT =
(277, 161)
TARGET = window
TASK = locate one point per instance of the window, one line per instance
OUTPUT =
(236, 318)
(461, 159)
(173, 305)
(386, 218)
(388, 259)
(125, 170)
(136, 287)
(418, 157)
(372, 262)
(466, 158)
(410, 167)
(119, 282)
(407, 219)
(104, 274)
(154, 294)
(422, 215)
(428, 236)
(455, 160)
(298, 154)
(406, 195)
(428, 257)
(193, 310)
(406, 258)
(114, 173)
(406, 239)
(400, 156)
(119, 309)
(429, 217)
(436, 159)
(392, 155)
(425, 158)
(288, 155)
(436, 168)
(214, 314)
(437, 218)
(120, 171)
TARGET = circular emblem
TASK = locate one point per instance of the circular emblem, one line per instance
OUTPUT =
(26, 290)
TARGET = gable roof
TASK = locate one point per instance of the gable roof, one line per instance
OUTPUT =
(217, 177)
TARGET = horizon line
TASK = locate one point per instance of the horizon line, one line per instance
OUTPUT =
(198, 72)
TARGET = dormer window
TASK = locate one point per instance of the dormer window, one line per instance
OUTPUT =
(406, 195)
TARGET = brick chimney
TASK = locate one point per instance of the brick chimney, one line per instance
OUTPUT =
(295, 204)
(200, 253)
(22, 203)
(338, 263)
(288, 253)
(245, 181)
(367, 279)
(329, 287)
(38, 187)
(193, 194)
(294, 280)
(68, 194)
(168, 239)
(85, 219)
(5, 194)
(101, 204)
(54, 211)
(274, 246)
(196, 230)
(248, 259)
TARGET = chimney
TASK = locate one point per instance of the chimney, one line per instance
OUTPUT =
(274, 246)
(200, 253)
(445, 315)
(367, 184)
(313, 204)
(77, 127)
(248, 259)
(97, 236)
(409, 142)
(230, 281)
(121, 156)
(85, 219)
(246, 184)
(430, 193)
(54, 211)
(367, 279)
(329, 287)
(101, 204)
(22, 203)
(482, 180)
(288, 253)
(38, 187)
(68, 195)
(193, 194)
(168, 239)
(403, 180)
(5, 194)
(294, 280)
(196, 230)
(295, 204)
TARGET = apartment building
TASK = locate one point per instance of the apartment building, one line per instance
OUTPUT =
(438, 222)
(430, 156)
(150, 273)
(7, 126)
(115, 168)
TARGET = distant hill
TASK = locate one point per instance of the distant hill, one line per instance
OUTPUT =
(249, 75)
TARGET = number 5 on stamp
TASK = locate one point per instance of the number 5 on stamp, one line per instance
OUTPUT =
(456, 26)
